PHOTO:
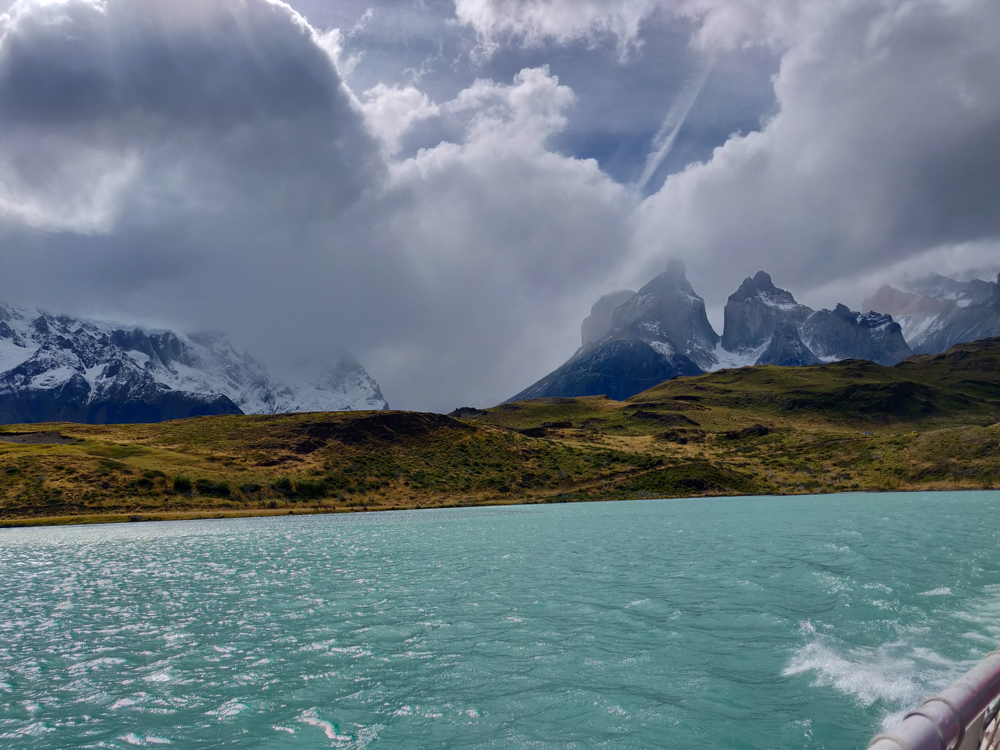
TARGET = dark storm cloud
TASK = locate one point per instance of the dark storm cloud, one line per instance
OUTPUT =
(884, 147)
(166, 105)
(203, 164)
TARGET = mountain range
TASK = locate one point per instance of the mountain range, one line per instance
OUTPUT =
(59, 368)
(634, 340)
(937, 312)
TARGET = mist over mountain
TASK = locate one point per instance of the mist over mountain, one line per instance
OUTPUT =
(937, 312)
(662, 331)
(658, 333)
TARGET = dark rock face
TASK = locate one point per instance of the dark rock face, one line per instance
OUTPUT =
(657, 334)
(635, 341)
(755, 309)
(618, 369)
(786, 348)
(980, 319)
(598, 324)
(765, 325)
(667, 312)
(842, 333)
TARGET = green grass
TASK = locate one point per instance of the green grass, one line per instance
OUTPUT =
(929, 423)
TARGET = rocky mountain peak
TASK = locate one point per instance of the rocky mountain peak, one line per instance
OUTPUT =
(846, 314)
(760, 319)
(654, 335)
(598, 323)
(662, 331)
(669, 313)
(842, 333)
(57, 368)
(938, 312)
(754, 310)
(674, 279)
(761, 288)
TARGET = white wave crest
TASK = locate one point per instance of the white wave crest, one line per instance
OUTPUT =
(869, 675)
(943, 591)
(311, 717)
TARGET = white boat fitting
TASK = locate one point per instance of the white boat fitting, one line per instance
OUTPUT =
(964, 716)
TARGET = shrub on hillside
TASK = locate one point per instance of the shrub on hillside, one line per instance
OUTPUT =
(212, 489)
(310, 489)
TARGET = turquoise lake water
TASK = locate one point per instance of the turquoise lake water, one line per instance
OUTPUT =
(804, 622)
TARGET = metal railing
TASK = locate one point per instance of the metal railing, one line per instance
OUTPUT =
(964, 716)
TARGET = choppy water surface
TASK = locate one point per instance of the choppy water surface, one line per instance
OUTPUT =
(724, 623)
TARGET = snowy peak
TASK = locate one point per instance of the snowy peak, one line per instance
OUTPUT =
(658, 333)
(58, 368)
(938, 312)
(667, 311)
(842, 333)
(760, 317)
(343, 385)
(936, 286)
(632, 341)
(761, 289)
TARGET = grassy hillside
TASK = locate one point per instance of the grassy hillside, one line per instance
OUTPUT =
(928, 423)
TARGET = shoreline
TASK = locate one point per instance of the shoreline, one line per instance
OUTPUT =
(93, 519)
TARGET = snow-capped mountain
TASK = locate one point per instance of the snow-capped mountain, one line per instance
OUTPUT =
(843, 333)
(656, 334)
(938, 312)
(58, 368)
(766, 326)
(631, 343)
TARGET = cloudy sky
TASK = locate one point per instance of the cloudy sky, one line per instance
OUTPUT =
(444, 187)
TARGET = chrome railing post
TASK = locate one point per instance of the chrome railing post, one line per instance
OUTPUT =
(953, 720)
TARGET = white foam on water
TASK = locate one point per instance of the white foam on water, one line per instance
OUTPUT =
(228, 709)
(100, 663)
(137, 739)
(311, 717)
(867, 674)
(943, 591)
(32, 730)
(367, 735)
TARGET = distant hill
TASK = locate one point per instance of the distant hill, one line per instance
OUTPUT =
(930, 422)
